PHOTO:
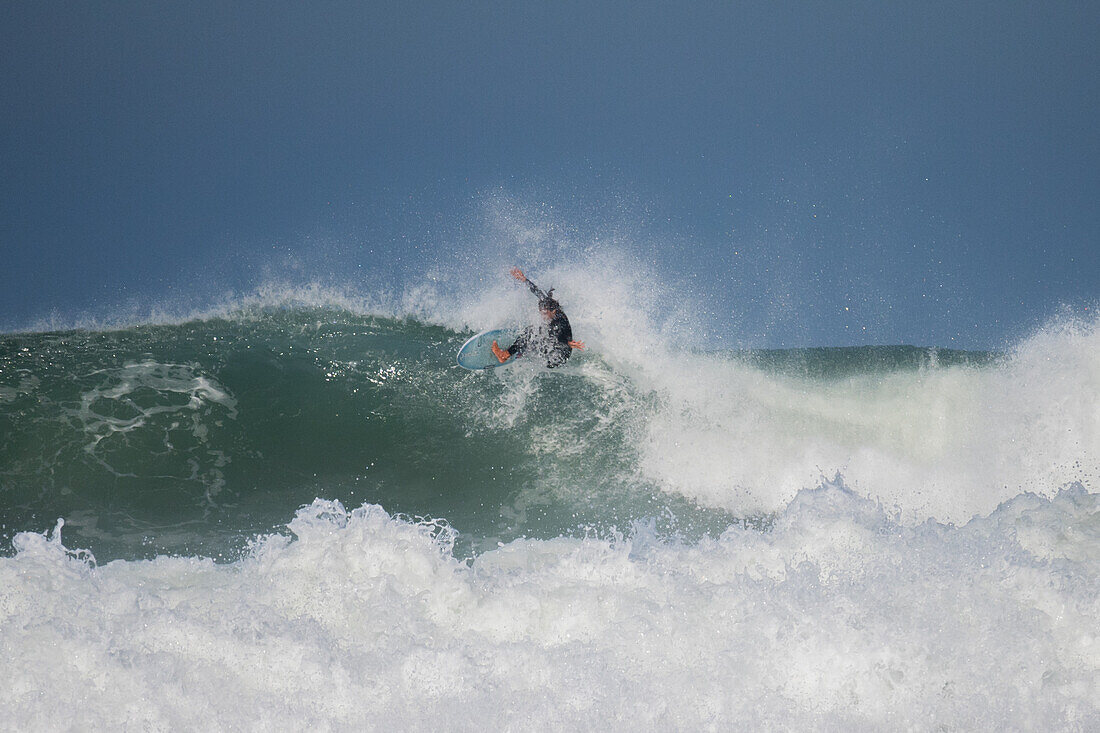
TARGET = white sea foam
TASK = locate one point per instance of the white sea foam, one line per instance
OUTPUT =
(838, 617)
(946, 443)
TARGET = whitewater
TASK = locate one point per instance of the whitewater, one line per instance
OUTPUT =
(294, 511)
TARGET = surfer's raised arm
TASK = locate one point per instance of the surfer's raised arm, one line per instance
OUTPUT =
(518, 274)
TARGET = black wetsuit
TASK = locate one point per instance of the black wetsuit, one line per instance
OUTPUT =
(550, 340)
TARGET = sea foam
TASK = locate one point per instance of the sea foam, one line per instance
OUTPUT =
(839, 616)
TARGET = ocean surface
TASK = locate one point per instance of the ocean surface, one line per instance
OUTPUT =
(303, 515)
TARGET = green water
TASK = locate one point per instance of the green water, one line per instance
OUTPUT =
(192, 438)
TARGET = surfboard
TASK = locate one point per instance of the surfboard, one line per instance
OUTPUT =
(477, 352)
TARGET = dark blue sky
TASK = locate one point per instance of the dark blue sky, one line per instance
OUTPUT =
(820, 173)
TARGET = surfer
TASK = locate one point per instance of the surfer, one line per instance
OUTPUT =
(553, 340)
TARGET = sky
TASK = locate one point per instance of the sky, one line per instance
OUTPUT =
(813, 173)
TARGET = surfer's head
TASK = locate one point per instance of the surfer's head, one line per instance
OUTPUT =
(548, 306)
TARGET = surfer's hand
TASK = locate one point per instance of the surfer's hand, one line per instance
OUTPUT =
(577, 344)
(518, 274)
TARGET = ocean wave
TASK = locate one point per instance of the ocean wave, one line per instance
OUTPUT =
(225, 423)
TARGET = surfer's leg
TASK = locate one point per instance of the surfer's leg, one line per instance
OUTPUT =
(516, 349)
(521, 343)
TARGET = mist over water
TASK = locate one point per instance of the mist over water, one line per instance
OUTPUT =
(294, 505)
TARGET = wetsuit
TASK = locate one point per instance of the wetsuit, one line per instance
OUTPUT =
(550, 340)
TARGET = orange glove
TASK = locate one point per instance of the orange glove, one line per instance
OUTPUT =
(577, 344)
(518, 274)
